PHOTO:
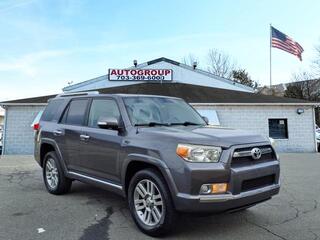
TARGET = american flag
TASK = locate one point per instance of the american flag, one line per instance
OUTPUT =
(285, 43)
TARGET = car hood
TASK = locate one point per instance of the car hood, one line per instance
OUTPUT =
(204, 135)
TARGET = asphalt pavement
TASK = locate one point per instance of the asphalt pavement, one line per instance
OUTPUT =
(27, 211)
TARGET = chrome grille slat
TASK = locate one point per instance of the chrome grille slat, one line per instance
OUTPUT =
(248, 153)
(242, 156)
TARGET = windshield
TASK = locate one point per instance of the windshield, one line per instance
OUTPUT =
(161, 111)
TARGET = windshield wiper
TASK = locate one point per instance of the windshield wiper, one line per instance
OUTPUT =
(186, 123)
(151, 124)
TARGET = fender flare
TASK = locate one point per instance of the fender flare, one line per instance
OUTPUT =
(57, 150)
(159, 164)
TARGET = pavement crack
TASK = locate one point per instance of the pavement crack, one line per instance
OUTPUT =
(266, 229)
(292, 218)
(315, 207)
(298, 212)
(9, 177)
(316, 236)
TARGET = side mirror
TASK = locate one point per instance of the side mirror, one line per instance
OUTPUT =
(205, 119)
(108, 123)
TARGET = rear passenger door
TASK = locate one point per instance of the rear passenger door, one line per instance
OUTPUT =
(70, 129)
(99, 151)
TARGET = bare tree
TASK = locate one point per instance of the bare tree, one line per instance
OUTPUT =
(316, 62)
(220, 63)
(304, 86)
(190, 59)
(301, 76)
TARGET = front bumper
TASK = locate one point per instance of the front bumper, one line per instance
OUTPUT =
(224, 202)
(248, 184)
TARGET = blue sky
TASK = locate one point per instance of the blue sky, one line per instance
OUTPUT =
(45, 44)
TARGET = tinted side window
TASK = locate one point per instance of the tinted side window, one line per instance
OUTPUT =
(76, 112)
(50, 113)
(64, 117)
(102, 108)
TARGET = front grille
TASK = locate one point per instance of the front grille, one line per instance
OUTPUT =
(240, 160)
(256, 183)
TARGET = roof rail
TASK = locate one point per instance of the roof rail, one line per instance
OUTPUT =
(78, 94)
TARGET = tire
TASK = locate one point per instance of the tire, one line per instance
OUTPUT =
(53, 176)
(150, 203)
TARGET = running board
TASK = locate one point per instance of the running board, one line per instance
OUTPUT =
(96, 180)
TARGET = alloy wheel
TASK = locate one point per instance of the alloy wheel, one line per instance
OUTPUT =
(52, 173)
(148, 202)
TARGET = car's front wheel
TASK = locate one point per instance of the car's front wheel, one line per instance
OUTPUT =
(53, 176)
(150, 203)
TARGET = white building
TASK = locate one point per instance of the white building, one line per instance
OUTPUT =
(291, 122)
(1, 117)
(1, 126)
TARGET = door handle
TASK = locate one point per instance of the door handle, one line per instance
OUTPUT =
(57, 132)
(84, 137)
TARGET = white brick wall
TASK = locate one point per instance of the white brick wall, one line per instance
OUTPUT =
(18, 133)
(255, 118)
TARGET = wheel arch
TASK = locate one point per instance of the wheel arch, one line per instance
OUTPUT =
(44, 149)
(48, 145)
(136, 163)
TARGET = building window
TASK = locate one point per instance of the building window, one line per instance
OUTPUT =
(278, 128)
(210, 114)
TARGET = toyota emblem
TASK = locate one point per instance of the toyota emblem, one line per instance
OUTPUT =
(256, 153)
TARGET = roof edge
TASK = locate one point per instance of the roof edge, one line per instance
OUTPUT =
(257, 104)
(92, 80)
(22, 104)
(201, 71)
(164, 59)
(209, 74)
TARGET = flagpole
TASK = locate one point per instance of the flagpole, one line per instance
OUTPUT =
(270, 55)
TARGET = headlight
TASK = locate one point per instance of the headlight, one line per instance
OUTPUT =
(199, 153)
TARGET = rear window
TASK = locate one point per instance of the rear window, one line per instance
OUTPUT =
(51, 112)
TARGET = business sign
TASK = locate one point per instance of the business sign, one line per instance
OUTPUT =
(140, 74)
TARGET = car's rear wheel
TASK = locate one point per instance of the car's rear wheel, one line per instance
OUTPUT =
(150, 203)
(53, 176)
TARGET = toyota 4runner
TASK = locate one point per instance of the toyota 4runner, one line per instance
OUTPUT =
(157, 152)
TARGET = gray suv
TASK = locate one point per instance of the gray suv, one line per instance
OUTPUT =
(155, 151)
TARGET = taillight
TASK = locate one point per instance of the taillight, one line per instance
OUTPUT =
(36, 126)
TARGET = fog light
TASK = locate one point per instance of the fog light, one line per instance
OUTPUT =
(205, 189)
(219, 188)
(213, 188)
